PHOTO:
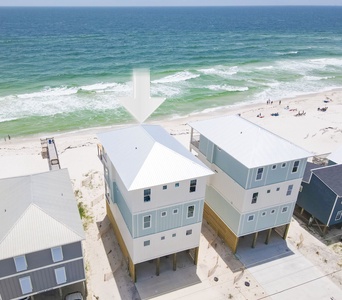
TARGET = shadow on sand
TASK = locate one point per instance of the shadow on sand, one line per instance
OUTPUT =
(116, 261)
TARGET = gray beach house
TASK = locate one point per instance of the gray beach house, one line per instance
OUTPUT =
(40, 235)
(321, 195)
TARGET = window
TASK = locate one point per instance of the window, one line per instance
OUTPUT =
(175, 211)
(193, 185)
(57, 254)
(25, 284)
(259, 173)
(295, 166)
(278, 189)
(173, 235)
(163, 214)
(188, 232)
(191, 210)
(162, 238)
(268, 191)
(289, 190)
(177, 184)
(164, 187)
(60, 275)
(263, 214)
(255, 197)
(338, 215)
(272, 211)
(284, 209)
(147, 221)
(20, 263)
(274, 167)
(147, 195)
(250, 218)
(283, 165)
(147, 243)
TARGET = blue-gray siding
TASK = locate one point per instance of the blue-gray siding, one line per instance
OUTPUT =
(122, 205)
(40, 259)
(42, 279)
(229, 215)
(170, 221)
(317, 199)
(245, 177)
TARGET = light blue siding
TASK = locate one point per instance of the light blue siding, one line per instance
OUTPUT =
(267, 218)
(203, 145)
(273, 217)
(228, 214)
(172, 220)
(121, 203)
(230, 166)
(300, 171)
(197, 215)
(279, 174)
(139, 224)
(285, 217)
(248, 226)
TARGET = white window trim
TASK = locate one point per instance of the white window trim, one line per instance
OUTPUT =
(61, 251)
(188, 232)
(144, 221)
(282, 209)
(294, 166)
(252, 218)
(273, 211)
(275, 167)
(16, 262)
(22, 280)
(340, 217)
(62, 269)
(264, 214)
(262, 174)
(187, 212)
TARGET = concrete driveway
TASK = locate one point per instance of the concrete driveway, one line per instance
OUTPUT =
(284, 272)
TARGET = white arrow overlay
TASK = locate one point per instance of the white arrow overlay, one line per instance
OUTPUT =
(141, 105)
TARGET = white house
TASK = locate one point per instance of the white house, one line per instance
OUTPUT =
(155, 193)
(257, 177)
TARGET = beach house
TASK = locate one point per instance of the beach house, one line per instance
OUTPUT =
(40, 235)
(154, 190)
(257, 177)
(321, 195)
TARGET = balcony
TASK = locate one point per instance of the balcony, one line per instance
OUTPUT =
(195, 140)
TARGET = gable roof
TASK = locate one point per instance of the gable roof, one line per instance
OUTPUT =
(247, 142)
(307, 173)
(146, 155)
(331, 176)
(37, 212)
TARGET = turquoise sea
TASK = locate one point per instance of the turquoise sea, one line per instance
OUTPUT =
(63, 69)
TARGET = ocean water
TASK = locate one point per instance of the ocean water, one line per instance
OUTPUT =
(63, 69)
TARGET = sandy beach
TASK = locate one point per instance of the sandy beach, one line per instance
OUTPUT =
(299, 120)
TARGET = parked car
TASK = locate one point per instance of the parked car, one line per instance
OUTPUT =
(74, 296)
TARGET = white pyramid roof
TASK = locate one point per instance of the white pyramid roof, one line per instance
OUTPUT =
(250, 144)
(37, 212)
(146, 155)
